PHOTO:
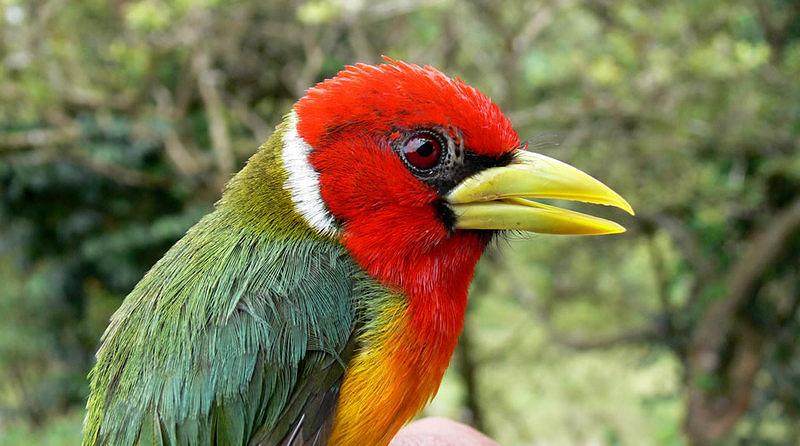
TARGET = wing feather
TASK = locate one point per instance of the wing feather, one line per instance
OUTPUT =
(227, 341)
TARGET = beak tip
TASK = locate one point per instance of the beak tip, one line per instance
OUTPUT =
(629, 209)
(616, 229)
(622, 203)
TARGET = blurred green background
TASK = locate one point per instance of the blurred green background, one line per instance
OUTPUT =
(121, 120)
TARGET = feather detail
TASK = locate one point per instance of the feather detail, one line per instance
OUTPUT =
(303, 181)
(246, 317)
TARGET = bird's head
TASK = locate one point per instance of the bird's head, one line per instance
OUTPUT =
(414, 171)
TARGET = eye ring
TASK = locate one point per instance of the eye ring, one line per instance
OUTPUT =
(423, 151)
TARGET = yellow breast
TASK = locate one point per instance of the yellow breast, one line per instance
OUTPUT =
(392, 376)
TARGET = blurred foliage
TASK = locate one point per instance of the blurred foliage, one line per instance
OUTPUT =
(121, 120)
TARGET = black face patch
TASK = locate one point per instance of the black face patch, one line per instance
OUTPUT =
(456, 162)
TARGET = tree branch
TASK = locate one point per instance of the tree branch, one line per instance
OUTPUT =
(207, 81)
(726, 349)
(468, 368)
(14, 141)
(119, 174)
(743, 280)
(641, 335)
(187, 162)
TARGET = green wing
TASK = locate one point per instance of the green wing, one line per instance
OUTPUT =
(232, 336)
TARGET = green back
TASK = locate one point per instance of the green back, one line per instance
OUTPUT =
(243, 326)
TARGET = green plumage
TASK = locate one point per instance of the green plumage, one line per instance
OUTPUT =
(242, 327)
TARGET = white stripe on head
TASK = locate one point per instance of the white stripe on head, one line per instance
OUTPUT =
(302, 180)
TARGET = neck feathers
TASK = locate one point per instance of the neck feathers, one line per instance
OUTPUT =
(303, 181)
(278, 189)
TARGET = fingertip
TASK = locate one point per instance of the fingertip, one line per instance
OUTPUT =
(436, 431)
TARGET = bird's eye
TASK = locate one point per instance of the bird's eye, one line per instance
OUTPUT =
(422, 151)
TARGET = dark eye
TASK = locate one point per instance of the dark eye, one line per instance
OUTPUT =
(422, 151)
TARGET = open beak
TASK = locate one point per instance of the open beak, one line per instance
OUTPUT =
(501, 198)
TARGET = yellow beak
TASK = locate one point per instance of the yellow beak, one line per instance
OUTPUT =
(500, 198)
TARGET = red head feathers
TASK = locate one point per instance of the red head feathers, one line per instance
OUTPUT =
(360, 125)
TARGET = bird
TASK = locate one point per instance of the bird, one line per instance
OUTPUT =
(321, 299)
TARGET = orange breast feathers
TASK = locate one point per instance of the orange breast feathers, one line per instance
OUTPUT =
(391, 378)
